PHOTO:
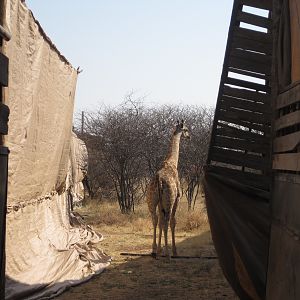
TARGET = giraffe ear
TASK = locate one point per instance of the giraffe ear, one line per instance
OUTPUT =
(182, 123)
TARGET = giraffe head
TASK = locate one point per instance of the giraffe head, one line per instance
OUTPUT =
(182, 128)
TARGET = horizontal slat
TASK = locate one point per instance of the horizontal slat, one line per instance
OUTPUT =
(247, 84)
(254, 19)
(288, 97)
(234, 119)
(245, 64)
(229, 131)
(244, 104)
(234, 161)
(239, 159)
(287, 142)
(4, 113)
(257, 58)
(226, 142)
(246, 94)
(257, 36)
(249, 73)
(262, 4)
(288, 120)
(3, 70)
(249, 44)
(252, 179)
(288, 162)
(247, 116)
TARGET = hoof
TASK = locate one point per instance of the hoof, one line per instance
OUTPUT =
(153, 254)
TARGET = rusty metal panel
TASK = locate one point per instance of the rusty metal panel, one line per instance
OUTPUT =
(287, 162)
(239, 217)
(284, 256)
(283, 283)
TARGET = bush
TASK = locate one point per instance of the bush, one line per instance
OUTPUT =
(127, 145)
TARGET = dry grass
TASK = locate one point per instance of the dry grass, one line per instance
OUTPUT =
(104, 214)
(194, 220)
(146, 278)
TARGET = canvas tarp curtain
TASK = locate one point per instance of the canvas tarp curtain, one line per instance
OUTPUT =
(46, 248)
(256, 233)
(78, 171)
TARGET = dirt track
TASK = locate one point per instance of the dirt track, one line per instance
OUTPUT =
(147, 278)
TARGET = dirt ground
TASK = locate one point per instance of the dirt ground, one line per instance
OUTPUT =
(130, 277)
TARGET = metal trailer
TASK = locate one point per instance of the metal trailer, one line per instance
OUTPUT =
(252, 179)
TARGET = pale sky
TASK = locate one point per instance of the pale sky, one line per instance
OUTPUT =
(170, 51)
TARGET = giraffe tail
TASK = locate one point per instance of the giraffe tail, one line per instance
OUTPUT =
(160, 187)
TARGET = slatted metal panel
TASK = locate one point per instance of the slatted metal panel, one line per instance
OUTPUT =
(241, 135)
(286, 145)
(284, 252)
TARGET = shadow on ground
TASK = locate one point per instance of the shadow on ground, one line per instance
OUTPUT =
(148, 278)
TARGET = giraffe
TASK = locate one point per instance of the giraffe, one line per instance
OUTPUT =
(164, 193)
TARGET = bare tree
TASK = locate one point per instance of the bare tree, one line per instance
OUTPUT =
(114, 136)
(193, 156)
(128, 143)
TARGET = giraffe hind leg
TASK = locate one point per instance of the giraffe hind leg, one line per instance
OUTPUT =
(152, 205)
(160, 227)
(166, 218)
(172, 225)
(154, 245)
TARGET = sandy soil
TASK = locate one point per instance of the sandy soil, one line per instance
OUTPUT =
(146, 278)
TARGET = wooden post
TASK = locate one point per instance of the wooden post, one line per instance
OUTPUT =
(4, 113)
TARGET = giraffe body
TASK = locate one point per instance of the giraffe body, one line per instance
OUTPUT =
(164, 194)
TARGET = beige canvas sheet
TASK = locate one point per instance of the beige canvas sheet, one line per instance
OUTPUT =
(79, 166)
(41, 99)
(45, 251)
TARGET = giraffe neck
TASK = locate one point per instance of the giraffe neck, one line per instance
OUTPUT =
(173, 153)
